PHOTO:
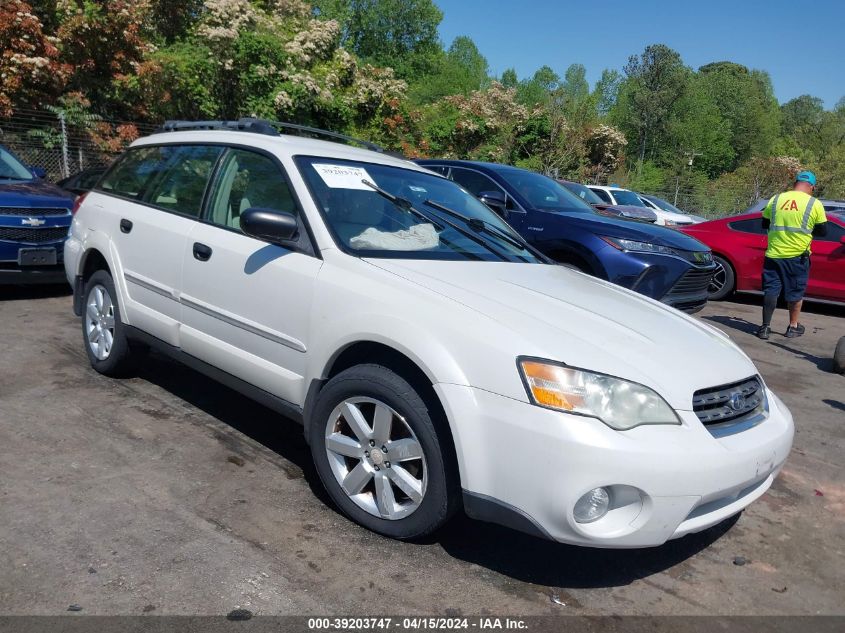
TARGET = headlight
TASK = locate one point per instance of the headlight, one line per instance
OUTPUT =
(618, 403)
(642, 247)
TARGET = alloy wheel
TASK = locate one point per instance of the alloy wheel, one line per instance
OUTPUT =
(719, 279)
(376, 458)
(99, 322)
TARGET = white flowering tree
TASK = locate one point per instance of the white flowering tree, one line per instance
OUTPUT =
(272, 60)
(30, 70)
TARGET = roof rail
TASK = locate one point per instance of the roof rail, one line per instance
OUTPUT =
(270, 128)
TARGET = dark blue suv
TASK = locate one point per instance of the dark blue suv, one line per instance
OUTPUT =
(34, 221)
(658, 262)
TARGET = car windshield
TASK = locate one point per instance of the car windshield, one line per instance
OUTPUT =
(666, 206)
(366, 223)
(543, 193)
(585, 193)
(11, 168)
(623, 196)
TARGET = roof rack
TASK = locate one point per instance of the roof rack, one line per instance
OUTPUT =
(270, 128)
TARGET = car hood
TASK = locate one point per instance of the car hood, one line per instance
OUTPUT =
(33, 194)
(628, 210)
(556, 313)
(638, 231)
(678, 218)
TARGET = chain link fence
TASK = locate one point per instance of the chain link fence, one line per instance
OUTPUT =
(64, 144)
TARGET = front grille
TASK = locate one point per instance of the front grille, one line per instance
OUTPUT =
(29, 212)
(33, 236)
(694, 281)
(731, 404)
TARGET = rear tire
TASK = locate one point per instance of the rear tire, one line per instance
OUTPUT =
(724, 279)
(839, 357)
(377, 451)
(103, 332)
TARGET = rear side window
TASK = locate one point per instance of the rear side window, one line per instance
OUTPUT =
(601, 193)
(754, 225)
(834, 233)
(172, 177)
(131, 172)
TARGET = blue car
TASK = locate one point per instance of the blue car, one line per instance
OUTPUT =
(655, 261)
(34, 221)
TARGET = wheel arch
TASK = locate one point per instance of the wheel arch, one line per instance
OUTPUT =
(572, 253)
(91, 261)
(414, 371)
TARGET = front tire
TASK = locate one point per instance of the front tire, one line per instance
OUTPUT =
(103, 332)
(724, 279)
(377, 451)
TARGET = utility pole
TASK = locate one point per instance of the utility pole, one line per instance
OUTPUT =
(690, 158)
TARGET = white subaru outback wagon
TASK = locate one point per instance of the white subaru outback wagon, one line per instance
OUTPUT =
(435, 360)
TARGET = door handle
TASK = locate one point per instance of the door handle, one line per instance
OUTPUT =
(202, 252)
(125, 226)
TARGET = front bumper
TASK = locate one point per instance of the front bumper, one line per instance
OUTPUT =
(667, 278)
(34, 275)
(525, 466)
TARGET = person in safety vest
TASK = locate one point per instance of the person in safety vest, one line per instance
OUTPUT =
(792, 219)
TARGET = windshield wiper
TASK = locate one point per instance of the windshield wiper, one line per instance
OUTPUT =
(406, 205)
(401, 203)
(478, 224)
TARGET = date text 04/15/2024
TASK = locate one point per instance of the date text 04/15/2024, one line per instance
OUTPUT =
(414, 623)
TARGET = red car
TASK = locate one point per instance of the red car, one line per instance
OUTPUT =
(739, 244)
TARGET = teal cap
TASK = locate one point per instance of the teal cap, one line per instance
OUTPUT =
(806, 176)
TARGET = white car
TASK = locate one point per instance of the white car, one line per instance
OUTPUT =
(617, 195)
(435, 360)
(659, 204)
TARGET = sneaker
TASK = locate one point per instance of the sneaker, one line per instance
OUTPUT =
(763, 332)
(794, 332)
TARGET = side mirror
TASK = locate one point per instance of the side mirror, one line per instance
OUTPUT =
(496, 200)
(268, 224)
(842, 240)
(38, 172)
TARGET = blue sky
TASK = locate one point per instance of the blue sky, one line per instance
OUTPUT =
(801, 45)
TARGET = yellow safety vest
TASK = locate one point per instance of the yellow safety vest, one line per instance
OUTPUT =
(792, 216)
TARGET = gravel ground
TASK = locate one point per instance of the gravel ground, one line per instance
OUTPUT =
(169, 494)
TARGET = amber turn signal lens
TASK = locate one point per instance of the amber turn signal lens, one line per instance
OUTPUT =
(545, 382)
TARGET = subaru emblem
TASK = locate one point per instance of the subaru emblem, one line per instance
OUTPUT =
(737, 401)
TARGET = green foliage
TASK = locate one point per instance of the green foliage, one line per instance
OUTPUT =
(400, 34)
(460, 71)
(712, 139)
(655, 82)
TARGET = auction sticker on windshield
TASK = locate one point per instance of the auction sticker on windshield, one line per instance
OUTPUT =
(343, 176)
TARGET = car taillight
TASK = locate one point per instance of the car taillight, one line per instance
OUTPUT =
(77, 203)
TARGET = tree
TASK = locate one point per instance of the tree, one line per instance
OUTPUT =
(106, 67)
(462, 70)
(510, 80)
(172, 19)
(698, 135)
(744, 99)
(537, 89)
(30, 70)
(277, 62)
(575, 85)
(655, 81)
(401, 34)
(606, 91)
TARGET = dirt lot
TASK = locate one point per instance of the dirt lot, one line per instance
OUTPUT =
(169, 494)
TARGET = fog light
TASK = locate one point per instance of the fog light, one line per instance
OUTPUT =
(592, 506)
